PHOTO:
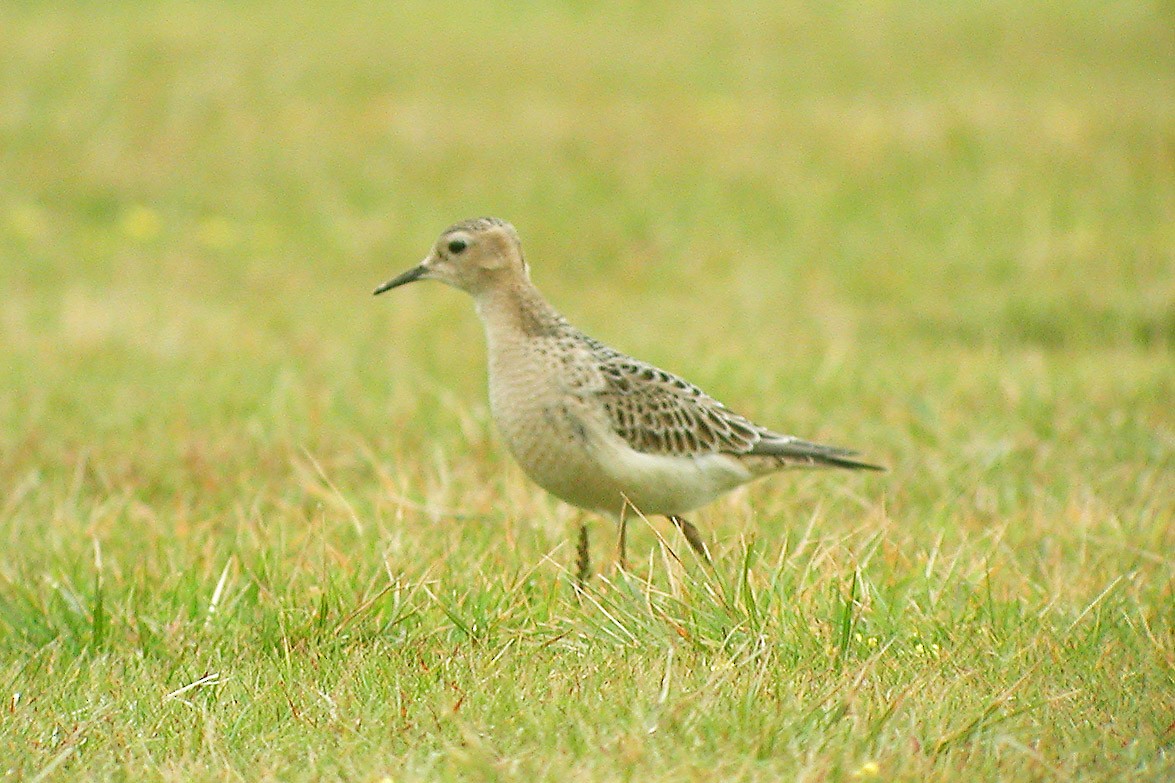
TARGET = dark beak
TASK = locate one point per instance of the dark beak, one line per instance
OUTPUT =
(415, 273)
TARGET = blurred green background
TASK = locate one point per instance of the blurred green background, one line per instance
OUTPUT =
(197, 197)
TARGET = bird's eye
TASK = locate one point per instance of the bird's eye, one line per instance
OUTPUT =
(457, 246)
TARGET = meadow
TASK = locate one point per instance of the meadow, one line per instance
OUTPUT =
(256, 525)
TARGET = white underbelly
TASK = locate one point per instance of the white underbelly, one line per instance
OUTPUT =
(672, 485)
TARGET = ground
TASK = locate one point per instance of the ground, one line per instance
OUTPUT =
(256, 524)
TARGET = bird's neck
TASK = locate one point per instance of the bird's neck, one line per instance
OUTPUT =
(517, 312)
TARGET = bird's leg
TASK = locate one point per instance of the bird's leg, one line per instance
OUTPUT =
(622, 543)
(693, 537)
(583, 558)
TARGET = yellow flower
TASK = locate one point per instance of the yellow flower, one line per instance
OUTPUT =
(870, 769)
(140, 223)
(28, 221)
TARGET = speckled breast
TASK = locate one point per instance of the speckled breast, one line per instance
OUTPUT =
(548, 433)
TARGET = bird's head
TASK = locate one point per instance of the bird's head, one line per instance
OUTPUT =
(475, 255)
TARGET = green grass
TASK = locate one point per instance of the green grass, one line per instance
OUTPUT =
(255, 525)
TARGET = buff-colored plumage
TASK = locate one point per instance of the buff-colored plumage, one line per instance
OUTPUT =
(592, 426)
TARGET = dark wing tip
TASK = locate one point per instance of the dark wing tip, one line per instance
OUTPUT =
(852, 464)
(812, 453)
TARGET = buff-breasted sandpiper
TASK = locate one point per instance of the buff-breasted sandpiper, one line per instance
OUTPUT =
(594, 427)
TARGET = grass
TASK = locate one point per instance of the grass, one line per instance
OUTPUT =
(256, 525)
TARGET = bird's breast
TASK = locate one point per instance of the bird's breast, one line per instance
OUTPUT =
(549, 432)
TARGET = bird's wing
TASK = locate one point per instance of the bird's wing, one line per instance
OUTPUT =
(657, 412)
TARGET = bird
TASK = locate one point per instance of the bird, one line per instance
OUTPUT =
(594, 427)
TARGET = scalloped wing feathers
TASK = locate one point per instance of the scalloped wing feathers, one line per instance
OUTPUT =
(657, 412)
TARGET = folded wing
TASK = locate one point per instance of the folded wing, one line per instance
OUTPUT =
(657, 412)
